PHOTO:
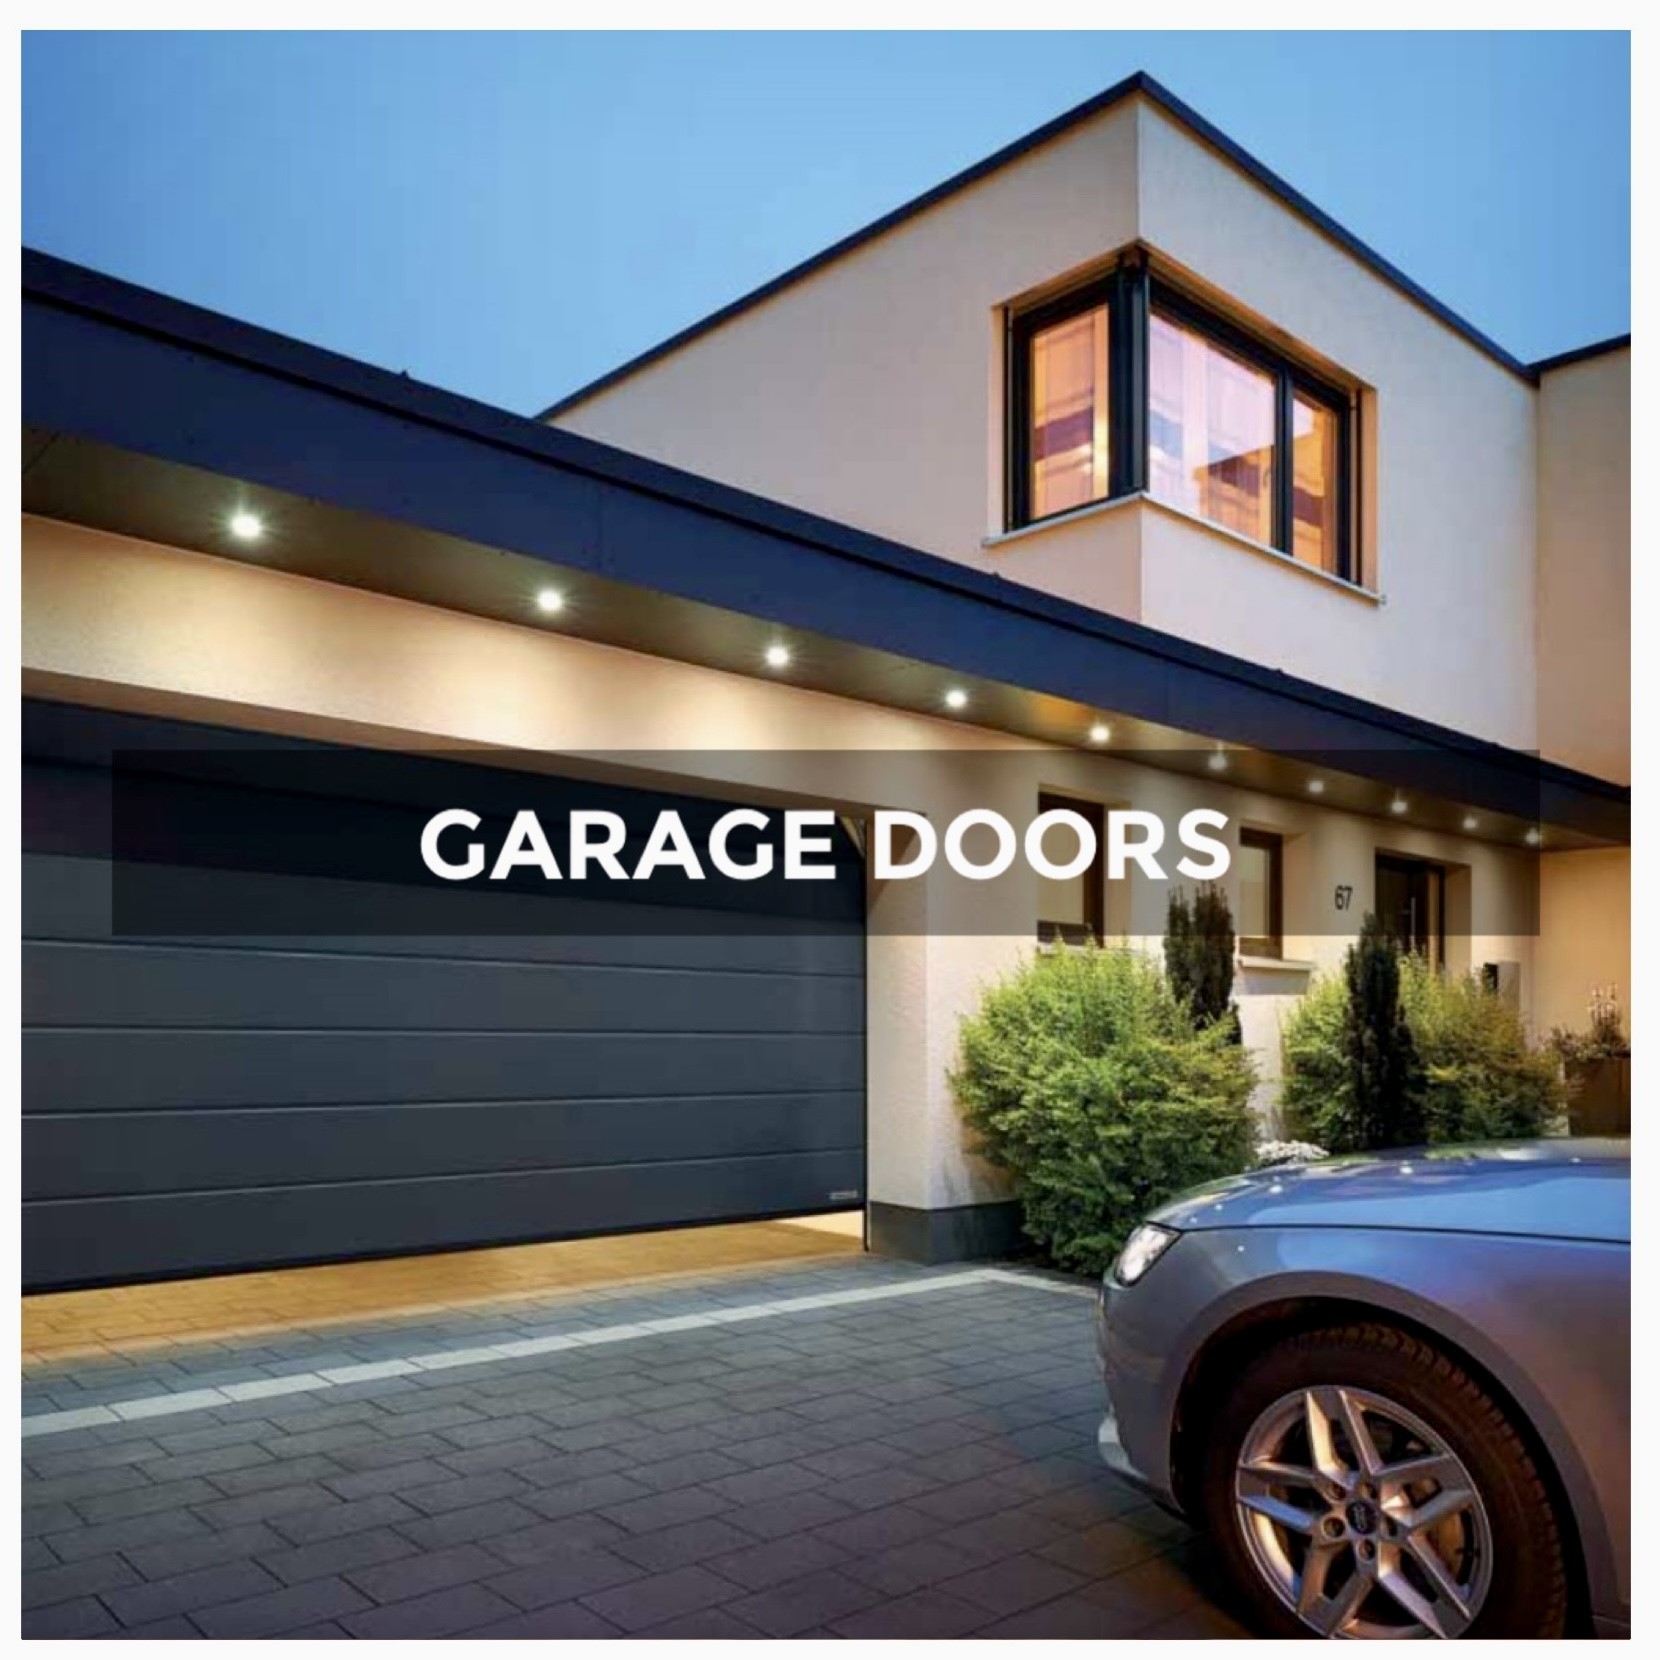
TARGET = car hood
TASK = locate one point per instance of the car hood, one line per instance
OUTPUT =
(1558, 1189)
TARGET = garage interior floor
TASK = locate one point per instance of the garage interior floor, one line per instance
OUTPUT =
(63, 1326)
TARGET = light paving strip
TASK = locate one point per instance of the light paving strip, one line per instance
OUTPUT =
(297, 1383)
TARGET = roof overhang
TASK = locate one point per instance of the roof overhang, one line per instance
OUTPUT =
(155, 419)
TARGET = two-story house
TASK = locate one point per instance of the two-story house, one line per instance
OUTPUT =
(1113, 458)
(1122, 363)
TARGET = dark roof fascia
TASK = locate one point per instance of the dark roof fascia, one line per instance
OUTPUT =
(123, 365)
(1597, 348)
(1147, 87)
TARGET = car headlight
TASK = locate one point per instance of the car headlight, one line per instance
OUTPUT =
(1141, 1250)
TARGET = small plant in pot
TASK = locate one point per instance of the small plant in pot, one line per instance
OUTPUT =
(1597, 1066)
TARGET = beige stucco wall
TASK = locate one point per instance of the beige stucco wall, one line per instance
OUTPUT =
(1584, 623)
(1584, 934)
(1451, 481)
(127, 624)
(867, 392)
(872, 392)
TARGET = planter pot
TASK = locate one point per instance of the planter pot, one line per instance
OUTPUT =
(1599, 1101)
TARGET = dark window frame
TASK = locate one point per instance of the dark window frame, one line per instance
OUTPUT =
(1131, 294)
(1095, 886)
(1271, 944)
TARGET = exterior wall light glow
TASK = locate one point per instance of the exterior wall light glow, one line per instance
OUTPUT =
(778, 657)
(1397, 805)
(1218, 761)
(1533, 837)
(246, 526)
(1316, 786)
(550, 601)
(1099, 733)
(1471, 821)
(956, 698)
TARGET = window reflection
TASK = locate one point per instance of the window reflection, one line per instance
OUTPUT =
(1210, 431)
(1314, 484)
(1069, 414)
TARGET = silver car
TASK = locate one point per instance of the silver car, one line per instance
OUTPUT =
(1396, 1388)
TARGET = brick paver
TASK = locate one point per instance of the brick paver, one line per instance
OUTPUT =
(909, 1466)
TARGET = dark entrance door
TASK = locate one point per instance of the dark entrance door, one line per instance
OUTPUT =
(1411, 895)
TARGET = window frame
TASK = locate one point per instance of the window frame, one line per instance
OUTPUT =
(1131, 294)
(1272, 944)
(1094, 927)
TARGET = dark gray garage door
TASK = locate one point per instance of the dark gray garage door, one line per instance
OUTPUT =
(196, 1102)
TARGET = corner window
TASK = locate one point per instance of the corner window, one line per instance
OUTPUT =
(1259, 928)
(1129, 386)
(1073, 910)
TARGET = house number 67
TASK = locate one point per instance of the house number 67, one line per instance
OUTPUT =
(1343, 894)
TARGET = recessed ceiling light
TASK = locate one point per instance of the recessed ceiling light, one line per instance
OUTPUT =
(1397, 805)
(956, 698)
(1316, 786)
(246, 526)
(1533, 837)
(549, 600)
(1218, 761)
(1100, 733)
(778, 656)
(1471, 822)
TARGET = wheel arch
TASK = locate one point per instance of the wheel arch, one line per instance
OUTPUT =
(1245, 1332)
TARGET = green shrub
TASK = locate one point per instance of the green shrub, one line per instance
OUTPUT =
(1386, 1077)
(1198, 956)
(1316, 1095)
(1482, 1079)
(1087, 1080)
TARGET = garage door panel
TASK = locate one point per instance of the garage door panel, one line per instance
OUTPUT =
(68, 897)
(511, 1068)
(293, 988)
(94, 1071)
(88, 1240)
(172, 1152)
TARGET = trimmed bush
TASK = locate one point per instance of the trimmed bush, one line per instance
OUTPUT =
(1481, 1078)
(1198, 956)
(1484, 1081)
(1087, 1080)
(1385, 1077)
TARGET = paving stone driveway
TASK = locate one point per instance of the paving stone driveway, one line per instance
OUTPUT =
(893, 1452)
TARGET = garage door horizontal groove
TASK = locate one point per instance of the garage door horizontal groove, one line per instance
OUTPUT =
(554, 1102)
(93, 1028)
(237, 948)
(90, 1155)
(853, 1150)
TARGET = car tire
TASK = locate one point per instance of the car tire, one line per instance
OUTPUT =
(1507, 1545)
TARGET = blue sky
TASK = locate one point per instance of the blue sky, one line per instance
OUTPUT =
(510, 215)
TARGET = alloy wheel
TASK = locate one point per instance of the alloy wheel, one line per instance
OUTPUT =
(1361, 1518)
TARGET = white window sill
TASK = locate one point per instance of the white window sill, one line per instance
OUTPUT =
(1276, 965)
(1099, 509)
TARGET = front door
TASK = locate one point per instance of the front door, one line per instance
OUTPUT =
(1410, 903)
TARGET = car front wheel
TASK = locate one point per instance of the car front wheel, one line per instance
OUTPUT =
(1362, 1484)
